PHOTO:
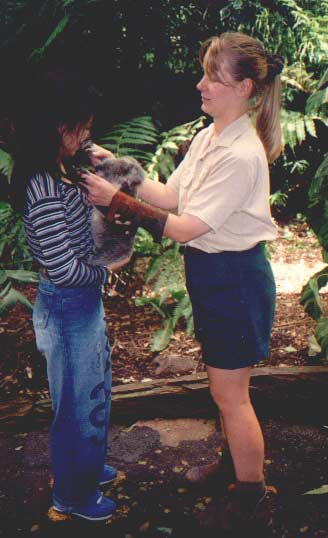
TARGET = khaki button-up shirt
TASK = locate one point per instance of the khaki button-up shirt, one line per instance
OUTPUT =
(224, 181)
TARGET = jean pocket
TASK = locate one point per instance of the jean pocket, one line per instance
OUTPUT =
(42, 310)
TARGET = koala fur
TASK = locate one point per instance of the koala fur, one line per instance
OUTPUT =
(111, 244)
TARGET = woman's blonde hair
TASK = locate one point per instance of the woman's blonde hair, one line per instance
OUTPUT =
(246, 58)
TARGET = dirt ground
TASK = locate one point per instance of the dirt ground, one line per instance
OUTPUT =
(295, 256)
(156, 500)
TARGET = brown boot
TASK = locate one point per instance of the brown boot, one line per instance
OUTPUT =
(222, 468)
(248, 509)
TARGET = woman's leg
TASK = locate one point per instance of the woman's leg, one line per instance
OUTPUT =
(230, 391)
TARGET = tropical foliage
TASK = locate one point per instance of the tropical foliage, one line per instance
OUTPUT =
(311, 299)
(167, 295)
(144, 58)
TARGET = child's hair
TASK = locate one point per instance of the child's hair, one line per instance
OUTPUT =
(50, 100)
(246, 58)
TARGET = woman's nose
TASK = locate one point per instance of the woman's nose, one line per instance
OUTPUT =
(201, 84)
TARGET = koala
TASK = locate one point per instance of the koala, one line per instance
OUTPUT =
(111, 244)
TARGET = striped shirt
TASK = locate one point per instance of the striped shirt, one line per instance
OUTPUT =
(57, 226)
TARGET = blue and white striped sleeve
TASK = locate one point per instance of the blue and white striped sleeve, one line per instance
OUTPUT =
(65, 269)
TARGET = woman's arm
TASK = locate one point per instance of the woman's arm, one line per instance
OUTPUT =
(185, 227)
(180, 228)
(158, 194)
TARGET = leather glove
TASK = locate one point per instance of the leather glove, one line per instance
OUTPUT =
(126, 208)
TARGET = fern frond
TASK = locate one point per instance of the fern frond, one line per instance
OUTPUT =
(127, 138)
(163, 161)
(295, 125)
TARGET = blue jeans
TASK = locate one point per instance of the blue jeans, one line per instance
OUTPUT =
(71, 331)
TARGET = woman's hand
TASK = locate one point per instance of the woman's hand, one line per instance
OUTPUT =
(100, 191)
(98, 153)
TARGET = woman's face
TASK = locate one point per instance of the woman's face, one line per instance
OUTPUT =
(220, 97)
(72, 138)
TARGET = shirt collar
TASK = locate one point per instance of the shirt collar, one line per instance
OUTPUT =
(231, 132)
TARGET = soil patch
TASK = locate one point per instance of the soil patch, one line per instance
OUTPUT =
(295, 256)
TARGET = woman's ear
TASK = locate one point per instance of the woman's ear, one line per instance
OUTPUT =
(245, 87)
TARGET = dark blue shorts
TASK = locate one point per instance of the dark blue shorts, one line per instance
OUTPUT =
(233, 298)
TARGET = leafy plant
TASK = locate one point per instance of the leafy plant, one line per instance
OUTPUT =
(9, 296)
(318, 219)
(168, 294)
(16, 261)
(6, 164)
(165, 272)
(14, 252)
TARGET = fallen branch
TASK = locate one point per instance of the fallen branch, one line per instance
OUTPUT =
(298, 391)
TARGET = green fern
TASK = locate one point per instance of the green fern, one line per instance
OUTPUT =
(313, 29)
(168, 295)
(163, 161)
(129, 137)
(296, 125)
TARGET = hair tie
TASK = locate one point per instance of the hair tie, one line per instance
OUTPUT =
(275, 65)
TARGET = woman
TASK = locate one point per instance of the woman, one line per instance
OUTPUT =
(68, 316)
(221, 191)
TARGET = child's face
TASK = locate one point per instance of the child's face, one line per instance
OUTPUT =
(73, 138)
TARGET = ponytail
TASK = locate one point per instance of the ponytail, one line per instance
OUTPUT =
(268, 119)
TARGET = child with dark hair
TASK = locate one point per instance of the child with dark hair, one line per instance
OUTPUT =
(68, 315)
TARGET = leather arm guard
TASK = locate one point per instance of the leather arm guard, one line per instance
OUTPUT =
(148, 217)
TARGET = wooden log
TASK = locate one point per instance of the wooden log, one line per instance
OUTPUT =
(298, 393)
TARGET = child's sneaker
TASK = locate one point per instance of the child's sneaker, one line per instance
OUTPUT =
(97, 508)
(109, 474)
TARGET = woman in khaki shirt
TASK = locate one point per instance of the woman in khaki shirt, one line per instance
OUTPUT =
(221, 194)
